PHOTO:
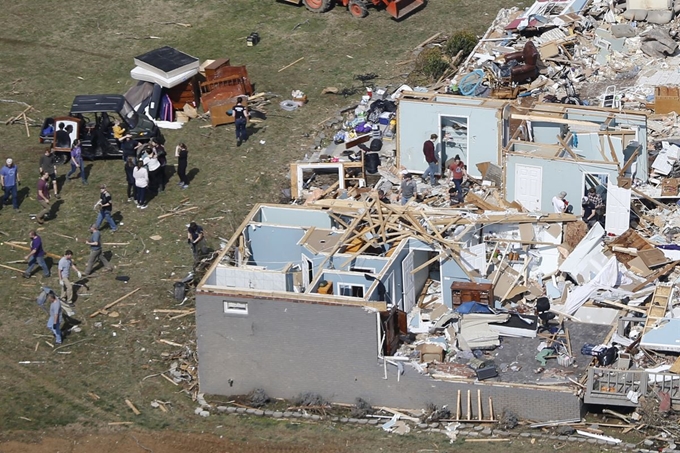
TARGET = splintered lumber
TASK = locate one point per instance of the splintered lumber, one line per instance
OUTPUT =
(479, 404)
(181, 211)
(428, 41)
(192, 312)
(507, 439)
(469, 405)
(458, 406)
(132, 406)
(289, 65)
(11, 268)
(120, 423)
(103, 310)
(171, 343)
(163, 310)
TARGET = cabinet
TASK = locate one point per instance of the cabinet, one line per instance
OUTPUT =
(471, 292)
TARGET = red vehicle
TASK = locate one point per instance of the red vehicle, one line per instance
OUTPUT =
(359, 8)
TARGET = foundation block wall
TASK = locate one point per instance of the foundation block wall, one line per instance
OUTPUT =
(287, 348)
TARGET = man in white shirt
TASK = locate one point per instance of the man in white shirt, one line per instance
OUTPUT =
(560, 205)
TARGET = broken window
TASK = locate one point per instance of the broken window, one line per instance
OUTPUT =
(349, 290)
(235, 308)
(454, 137)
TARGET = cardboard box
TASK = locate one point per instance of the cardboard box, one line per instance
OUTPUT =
(430, 353)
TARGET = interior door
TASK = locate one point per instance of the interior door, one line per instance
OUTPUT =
(528, 185)
(618, 209)
(409, 299)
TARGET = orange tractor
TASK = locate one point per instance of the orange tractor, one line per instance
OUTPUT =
(359, 8)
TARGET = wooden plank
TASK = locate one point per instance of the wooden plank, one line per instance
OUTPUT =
(428, 40)
(630, 161)
(656, 274)
(289, 65)
(427, 263)
(106, 307)
(12, 268)
(556, 120)
(647, 197)
(480, 203)
(181, 211)
(132, 406)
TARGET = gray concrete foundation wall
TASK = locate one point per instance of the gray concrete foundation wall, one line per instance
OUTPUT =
(288, 348)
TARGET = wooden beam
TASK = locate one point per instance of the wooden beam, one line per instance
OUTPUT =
(11, 268)
(647, 197)
(427, 263)
(630, 161)
(106, 307)
(556, 120)
(567, 148)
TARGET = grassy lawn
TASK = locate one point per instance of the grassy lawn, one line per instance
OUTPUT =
(54, 51)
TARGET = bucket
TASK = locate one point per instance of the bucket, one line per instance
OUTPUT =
(564, 360)
(180, 291)
(369, 92)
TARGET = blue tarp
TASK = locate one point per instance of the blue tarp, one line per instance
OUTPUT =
(473, 307)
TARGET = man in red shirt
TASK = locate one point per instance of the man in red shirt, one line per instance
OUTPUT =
(44, 197)
(431, 159)
(457, 168)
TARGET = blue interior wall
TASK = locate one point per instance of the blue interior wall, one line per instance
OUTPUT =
(274, 247)
(418, 119)
(451, 273)
(558, 176)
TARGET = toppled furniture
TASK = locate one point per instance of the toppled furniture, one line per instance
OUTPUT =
(229, 82)
(528, 71)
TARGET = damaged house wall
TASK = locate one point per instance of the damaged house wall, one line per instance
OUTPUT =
(300, 217)
(557, 175)
(332, 350)
(477, 120)
(274, 247)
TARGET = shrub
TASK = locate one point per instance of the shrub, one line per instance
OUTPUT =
(431, 63)
(461, 41)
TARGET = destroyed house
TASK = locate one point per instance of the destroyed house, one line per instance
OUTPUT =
(364, 300)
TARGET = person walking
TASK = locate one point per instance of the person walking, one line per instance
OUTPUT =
(458, 172)
(431, 159)
(9, 179)
(196, 240)
(36, 256)
(77, 162)
(43, 197)
(240, 120)
(48, 164)
(408, 189)
(182, 155)
(96, 254)
(141, 176)
(105, 208)
(55, 317)
(64, 267)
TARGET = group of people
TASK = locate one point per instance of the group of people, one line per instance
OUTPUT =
(592, 206)
(456, 174)
(145, 171)
(145, 168)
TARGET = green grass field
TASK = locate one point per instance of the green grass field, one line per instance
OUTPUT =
(53, 51)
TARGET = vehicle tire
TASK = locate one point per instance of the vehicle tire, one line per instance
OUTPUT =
(319, 6)
(357, 8)
(60, 158)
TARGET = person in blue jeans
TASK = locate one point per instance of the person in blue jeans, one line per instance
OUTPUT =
(77, 162)
(240, 120)
(431, 159)
(36, 256)
(9, 179)
(54, 321)
(105, 208)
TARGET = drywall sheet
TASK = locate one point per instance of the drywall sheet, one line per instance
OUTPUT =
(575, 262)
(665, 337)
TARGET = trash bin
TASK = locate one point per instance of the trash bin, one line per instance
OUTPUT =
(371, 162)
(180, 291)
